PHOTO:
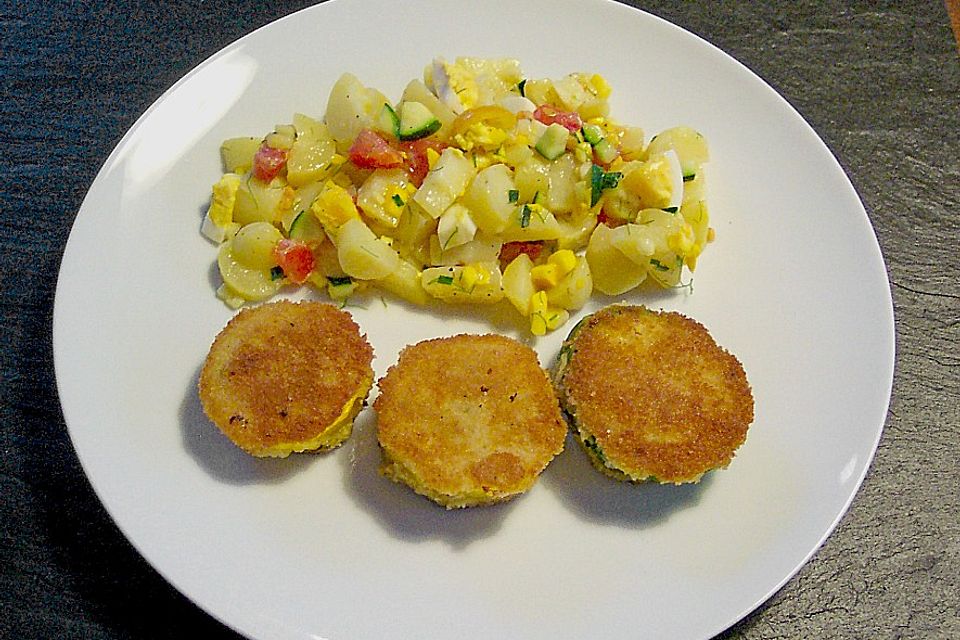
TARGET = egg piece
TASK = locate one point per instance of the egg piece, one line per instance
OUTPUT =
(658, 182)
(516, 104)
(220, 214)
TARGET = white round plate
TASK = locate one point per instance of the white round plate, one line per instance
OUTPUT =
(321, 546)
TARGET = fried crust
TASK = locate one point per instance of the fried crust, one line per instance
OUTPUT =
(652, 396)
(285, 377)
(467, 420)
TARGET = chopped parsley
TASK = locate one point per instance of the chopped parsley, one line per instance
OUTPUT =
(513, 195)
(444, 279)
(397, 200)
(600, 180)
(671, 209)
(339, 282)
(520, 87)
(276, 273)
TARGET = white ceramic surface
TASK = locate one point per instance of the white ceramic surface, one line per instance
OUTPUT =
(323, 547)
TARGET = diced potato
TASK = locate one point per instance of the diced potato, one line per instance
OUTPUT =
(350, 108)
(691, 147)
(404, 282)
(613, 273)
(574, 289)
(361, 254)
(695, 188)
(237, 154)
(648, 237)
(259, 202)
(488, 198)
(575, 230)
(529, 223)
(480, 249)
(414, 228)
(517, 283)
(253, 245)
(477, 283)
(532, 179)
(666, 269)
(247, 282)
(383, 196)
(632, 143)
(326, 263)
(698, 216)
(562, 177)
(571, 92)
(445, 183)
(541, 91)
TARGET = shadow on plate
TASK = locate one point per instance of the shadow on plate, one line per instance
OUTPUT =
(599, 498)
(222, 459)
(403, 513)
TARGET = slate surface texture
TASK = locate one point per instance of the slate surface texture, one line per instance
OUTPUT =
(879, 81)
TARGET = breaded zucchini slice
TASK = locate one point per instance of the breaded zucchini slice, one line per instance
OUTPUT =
(467, 420)
(287, 377)
(651, 396)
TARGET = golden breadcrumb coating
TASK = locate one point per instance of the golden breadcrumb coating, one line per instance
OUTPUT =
(652, 396)
(467, 420)
(286, 377)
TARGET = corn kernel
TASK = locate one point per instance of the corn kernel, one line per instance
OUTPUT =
(545, 276)
(565, 259)
(470, 276)
(432, 157)
(224, 199)
(711, 235)
(538, 326)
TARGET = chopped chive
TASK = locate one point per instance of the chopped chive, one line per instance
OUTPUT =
(397, 200)
(521, 86)
(339, 282)
(524, 217)
(444, 279)
(513, 195)
(689, 176)
(671, 209)
(276, 273)
(659, 266)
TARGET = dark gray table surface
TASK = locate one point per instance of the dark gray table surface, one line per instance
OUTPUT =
(879, 81)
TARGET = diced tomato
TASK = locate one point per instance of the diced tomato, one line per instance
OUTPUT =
(268, 162)
(372, 151)
(295, 258)
(416, 162)
(602, 217)
(548, 114)
(510, 250)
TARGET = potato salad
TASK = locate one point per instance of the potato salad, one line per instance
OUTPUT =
(479, 185)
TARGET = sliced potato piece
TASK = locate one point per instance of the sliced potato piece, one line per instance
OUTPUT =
(517, 283)
(248, 283)
(613, 273)
(477, 283)
(361, 254)
(237, 154)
